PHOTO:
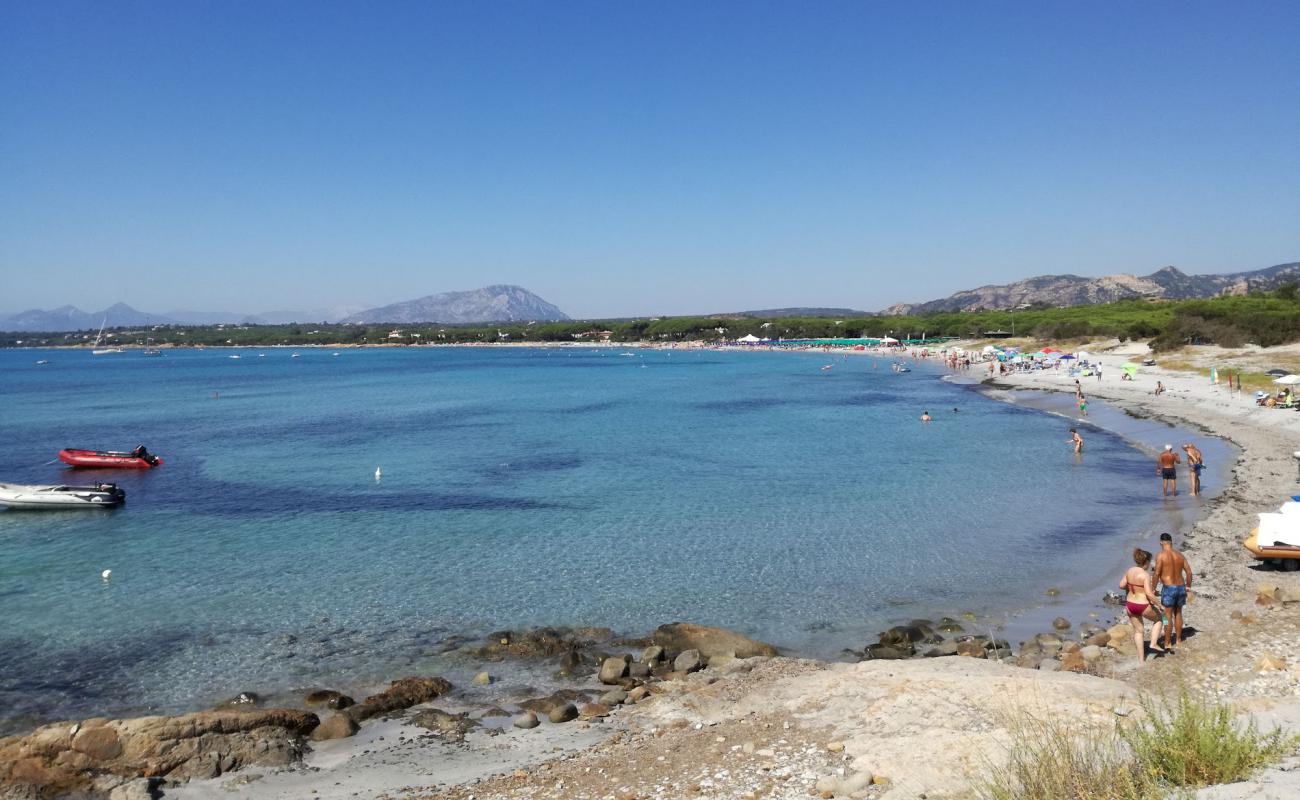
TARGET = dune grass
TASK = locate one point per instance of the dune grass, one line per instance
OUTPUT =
(1177, 745)
(1049, 760)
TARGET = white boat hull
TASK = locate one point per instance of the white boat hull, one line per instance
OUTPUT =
(19, 496)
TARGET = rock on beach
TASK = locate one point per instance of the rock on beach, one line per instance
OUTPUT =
(96, 756)
(679, 636)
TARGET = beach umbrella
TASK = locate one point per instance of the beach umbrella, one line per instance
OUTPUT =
(1129, 367)
(1067, 355)
(1055, 355)
(1288, 380)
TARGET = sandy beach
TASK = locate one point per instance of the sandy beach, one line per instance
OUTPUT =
(793, 728)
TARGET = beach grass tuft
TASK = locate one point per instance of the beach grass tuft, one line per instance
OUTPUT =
(1177, 745)
(1049, 760)
(1192, 742)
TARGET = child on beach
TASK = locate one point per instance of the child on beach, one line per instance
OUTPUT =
(1083, 406)
(1141, 603)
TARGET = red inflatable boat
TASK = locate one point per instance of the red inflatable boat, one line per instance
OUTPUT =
(139, 458)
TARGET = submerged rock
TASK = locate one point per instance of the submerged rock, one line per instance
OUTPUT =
(242, 700)
(329, 698)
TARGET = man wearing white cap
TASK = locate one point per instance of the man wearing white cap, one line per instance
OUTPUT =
(1165, 469)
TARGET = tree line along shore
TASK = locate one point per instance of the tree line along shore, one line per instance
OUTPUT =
(1262, 318)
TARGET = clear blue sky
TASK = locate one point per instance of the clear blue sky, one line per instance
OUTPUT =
(635, 158)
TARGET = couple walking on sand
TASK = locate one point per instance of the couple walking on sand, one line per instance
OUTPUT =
(1165, 610)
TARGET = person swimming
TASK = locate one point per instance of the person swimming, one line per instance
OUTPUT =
(925, 416)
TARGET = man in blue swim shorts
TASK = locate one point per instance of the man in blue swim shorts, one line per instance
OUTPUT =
(1175, 576)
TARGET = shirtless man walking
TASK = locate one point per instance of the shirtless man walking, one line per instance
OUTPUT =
(1165, 469)
(1175, 576)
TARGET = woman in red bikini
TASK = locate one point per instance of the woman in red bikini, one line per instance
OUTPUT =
(1142, 603)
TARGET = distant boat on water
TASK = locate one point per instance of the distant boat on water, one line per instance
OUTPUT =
(42, 361)
(96, 350)
(295, 355)
(149, 349)
(234, 356)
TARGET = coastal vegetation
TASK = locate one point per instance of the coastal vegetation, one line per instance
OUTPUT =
(1176, 745)
(1263, 318)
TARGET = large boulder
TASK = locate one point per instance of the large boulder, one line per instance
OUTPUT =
(400, 694)
(69, 758)
(679, 636)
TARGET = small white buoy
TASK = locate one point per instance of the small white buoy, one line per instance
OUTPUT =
(378, 473)
(106, 574)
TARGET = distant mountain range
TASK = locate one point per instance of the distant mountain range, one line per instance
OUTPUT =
(490, 304)
(501, 303)
(1073, 290)
(121, 315)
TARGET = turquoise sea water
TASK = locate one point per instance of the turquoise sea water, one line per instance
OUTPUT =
(749, 490)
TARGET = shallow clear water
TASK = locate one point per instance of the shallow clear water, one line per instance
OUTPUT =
(753, 491)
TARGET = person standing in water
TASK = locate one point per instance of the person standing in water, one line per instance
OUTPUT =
(1076, 440)
(1195, 464)
(1175, 576)
(1141, 603)
(1166, 470)
(925, 416)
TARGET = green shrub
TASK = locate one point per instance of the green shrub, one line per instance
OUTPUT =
(1187, 742)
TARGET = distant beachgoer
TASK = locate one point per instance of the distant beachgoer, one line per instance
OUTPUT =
(1076, 440)
(1160, 388)
(1175, 575)
(1078, 390)
(1141, 603)
(1098, 372)
(1165, 468)
(925, 416)
(1083, 406)
(956, 410)
(1195, 464)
